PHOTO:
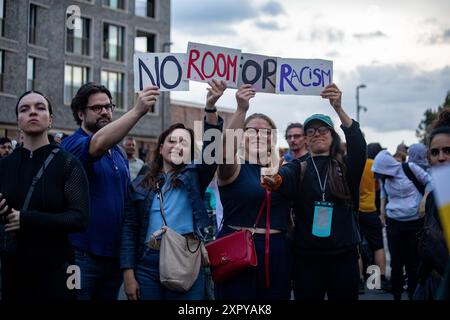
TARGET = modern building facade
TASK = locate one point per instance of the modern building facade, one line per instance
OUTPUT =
(43, 47)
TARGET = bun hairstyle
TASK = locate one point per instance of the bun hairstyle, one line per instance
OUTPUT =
(441, 125)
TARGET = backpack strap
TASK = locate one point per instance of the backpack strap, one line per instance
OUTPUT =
(302, 170)
(410, 174)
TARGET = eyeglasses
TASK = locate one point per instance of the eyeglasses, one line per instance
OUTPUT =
(312, 131)
(99, 107)
(295, 136)
(436, 151)
(256, 131)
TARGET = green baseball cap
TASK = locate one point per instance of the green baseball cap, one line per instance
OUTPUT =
(319, 117)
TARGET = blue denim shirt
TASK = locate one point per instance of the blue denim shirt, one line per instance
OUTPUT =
(194, 178)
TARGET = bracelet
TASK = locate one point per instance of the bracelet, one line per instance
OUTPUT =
(211, 110)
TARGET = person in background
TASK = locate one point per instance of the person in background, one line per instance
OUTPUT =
(5, 147)
(402, 210)
(434, 258)
(296, 140)
(135, 164)
(418, 153)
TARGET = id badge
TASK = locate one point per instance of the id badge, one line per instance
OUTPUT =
(323, 214)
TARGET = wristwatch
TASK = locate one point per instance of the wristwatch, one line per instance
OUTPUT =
(213, 110)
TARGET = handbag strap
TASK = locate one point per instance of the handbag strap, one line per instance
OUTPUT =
(263, 204)
(163, 214)
(267, 240)
(266, 203)
(37, 177)
(161, 203)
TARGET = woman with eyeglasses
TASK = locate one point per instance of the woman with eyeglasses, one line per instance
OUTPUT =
(432, 247)
(242, 198)
(325, 196)
(43, 197)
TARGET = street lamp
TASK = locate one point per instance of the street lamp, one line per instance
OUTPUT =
(358, 107)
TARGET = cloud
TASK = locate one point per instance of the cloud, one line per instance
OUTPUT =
(441, 37)
(272, 8)
(396, 95)
(326, 34)
(268, 25)
(370, 35)
(333, 54)
(210, 16)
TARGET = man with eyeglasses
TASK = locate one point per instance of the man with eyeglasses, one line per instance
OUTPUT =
(95, 145)
(296, 140)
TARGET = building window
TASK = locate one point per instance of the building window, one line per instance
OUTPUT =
(31, 73)
(2, 68)
(144, 42)
(2, 18)
(78, 40)
(115, 4)
(113, 42)
(32, 24)
(74, 78)
(145, 8)
(114, 81)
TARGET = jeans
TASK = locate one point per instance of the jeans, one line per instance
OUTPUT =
(101, 277)
(147, 276)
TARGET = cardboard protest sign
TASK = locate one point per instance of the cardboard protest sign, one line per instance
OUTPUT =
(205, 62)
(259, 71)
(441, 178)
(303, 76)
(164, 70)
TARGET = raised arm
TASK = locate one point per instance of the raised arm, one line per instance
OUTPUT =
(229, 170)
(114, 132)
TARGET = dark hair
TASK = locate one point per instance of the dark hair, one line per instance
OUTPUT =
(441, 125)
(151, 178)
(337, 170)
(291, 126)
(79, 102)
(50, 109)
(4, 140)
(373, 149)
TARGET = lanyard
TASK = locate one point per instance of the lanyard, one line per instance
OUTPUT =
(322, 188)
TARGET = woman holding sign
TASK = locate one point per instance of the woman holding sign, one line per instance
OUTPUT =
(243, 197)
(325, 196)
(169, 194)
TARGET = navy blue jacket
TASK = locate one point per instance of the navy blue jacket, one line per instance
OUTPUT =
(195, 178)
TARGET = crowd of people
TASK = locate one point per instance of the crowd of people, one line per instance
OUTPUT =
(89, 201)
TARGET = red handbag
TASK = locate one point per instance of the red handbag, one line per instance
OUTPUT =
(236, 252)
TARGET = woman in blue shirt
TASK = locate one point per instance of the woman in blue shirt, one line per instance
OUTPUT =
(183, 185)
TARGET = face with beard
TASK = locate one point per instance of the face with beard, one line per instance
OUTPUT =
(93, 121)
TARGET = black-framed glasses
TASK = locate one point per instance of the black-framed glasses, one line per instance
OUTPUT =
(97, 108)
(257, 131)
(312, 131)
(436, 151)
(294, 136)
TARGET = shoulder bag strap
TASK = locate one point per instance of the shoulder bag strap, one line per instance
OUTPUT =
(37, 177)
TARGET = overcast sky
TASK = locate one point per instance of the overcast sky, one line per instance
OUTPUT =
(399, 49)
